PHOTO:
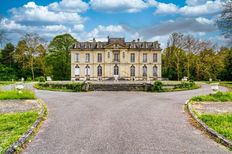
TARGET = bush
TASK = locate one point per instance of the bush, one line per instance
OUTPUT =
(75, 87)
(185, 85)
(29, 79)
(157, 86)
(40, 79)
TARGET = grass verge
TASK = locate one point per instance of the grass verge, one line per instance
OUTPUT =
(14, 94)
(217, 97)
(4, 83)
(13, 126)
(221, 123)
(227, 84)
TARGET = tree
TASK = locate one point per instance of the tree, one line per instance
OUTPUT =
(174, 48)
(59, 58)
(3, 36)
(28, 50)
(228, 66)
(225, 21)
(7, 54)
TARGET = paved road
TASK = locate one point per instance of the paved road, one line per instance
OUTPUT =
(118, 123)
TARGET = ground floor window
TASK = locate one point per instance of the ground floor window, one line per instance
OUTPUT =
(132, 71)
(99, 70)
(116, 70)
(144, 70)
(155, 70)
(77, 70)
(87, 70)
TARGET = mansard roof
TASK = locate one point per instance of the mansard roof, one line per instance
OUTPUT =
(117, 43)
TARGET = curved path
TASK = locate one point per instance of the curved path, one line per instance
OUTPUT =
(120, 122)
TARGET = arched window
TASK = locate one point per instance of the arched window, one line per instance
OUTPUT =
(77, 70)
(144, 70)
(87, 70)
(155, 70)
(116, 70)
(132, 71)
(99, 70)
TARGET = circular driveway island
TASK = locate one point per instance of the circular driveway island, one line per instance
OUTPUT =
(118, 123)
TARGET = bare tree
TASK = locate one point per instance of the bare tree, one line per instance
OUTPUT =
(3, 35)
(175, 47)
(225, 21)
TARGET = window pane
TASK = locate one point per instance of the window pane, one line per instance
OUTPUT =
(87, 57)
(99, 57)
(155, 58)
(132, 57)
(77, 57)
(144, 57)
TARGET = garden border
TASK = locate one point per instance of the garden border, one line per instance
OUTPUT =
(210, 131)
(24, 138)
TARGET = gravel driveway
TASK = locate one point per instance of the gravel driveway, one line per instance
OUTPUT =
(118, 123)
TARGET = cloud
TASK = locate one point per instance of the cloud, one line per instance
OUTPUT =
(193, 7)
(103, 31)
(204, 20)
(34, 14)
(189, 25)
(79, 28)
(210, 7)
(195, 2)
(163, 8)
(130, 6)
(69, 6)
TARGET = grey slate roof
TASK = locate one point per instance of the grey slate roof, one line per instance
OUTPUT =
(135, 45)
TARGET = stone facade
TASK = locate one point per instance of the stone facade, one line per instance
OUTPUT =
(116, 59)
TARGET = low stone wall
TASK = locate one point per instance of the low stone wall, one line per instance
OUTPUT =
(119, 87)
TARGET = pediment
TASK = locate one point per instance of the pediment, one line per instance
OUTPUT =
(115, 45)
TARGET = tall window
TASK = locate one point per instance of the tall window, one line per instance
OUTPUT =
(99, 57)
(132, 71)
(77, 70)
(132, 57)
(144, 57)
(87, 70)
(123, 55)
(155, 57)
(144, 71)
(87, 57)
(116, 70)
(116, 56)
(77, 57)
(99, 70)
(155, 70)
(108, 54)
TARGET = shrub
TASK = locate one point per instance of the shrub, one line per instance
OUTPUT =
(29, 79)
(158, 86)
(75, 87)
(40, 79)
(185, 85)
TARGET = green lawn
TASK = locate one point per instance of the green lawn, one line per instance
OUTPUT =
(221, 123)
(13, 94)
(227, 84)
(218, 97)
(3, 83)
(14, 125)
